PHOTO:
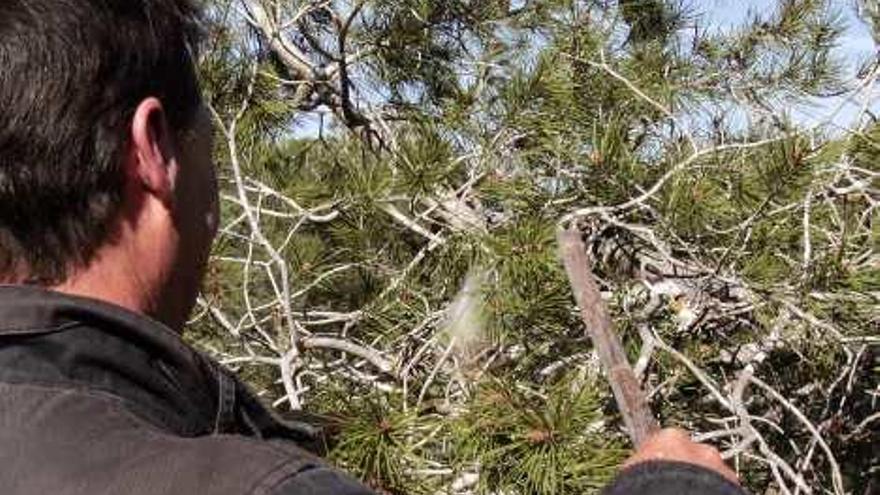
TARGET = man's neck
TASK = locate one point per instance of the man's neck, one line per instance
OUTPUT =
(112, 278)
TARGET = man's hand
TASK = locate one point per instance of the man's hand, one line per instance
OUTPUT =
(675, 445)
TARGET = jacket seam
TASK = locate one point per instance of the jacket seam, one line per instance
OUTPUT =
(153, 431)
(24, 331)
(309, 460)
(129, 408)
(120, 404)
(277, 475)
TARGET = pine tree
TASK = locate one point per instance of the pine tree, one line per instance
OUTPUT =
(394, 174)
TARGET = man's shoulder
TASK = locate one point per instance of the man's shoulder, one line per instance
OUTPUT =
(65, 441)
(235, 464)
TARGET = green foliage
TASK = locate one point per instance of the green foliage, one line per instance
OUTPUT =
(542, 443)
(528, 297)
(719, 223)
(376, 445)
(650, 20)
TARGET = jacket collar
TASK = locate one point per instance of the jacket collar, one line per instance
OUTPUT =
(26, 309)
(74, 342)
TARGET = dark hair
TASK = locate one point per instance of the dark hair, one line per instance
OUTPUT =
(72, 72)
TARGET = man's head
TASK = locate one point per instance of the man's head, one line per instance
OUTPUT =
(106, 183)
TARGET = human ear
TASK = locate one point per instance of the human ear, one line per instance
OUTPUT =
(152, 152)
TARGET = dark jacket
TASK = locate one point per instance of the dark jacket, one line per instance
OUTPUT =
(671, 478)
(98, 400)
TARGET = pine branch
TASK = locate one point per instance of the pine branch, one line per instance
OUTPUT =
(372, 355)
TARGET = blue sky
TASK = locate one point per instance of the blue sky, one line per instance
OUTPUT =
(728, 13)
(856, 46)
